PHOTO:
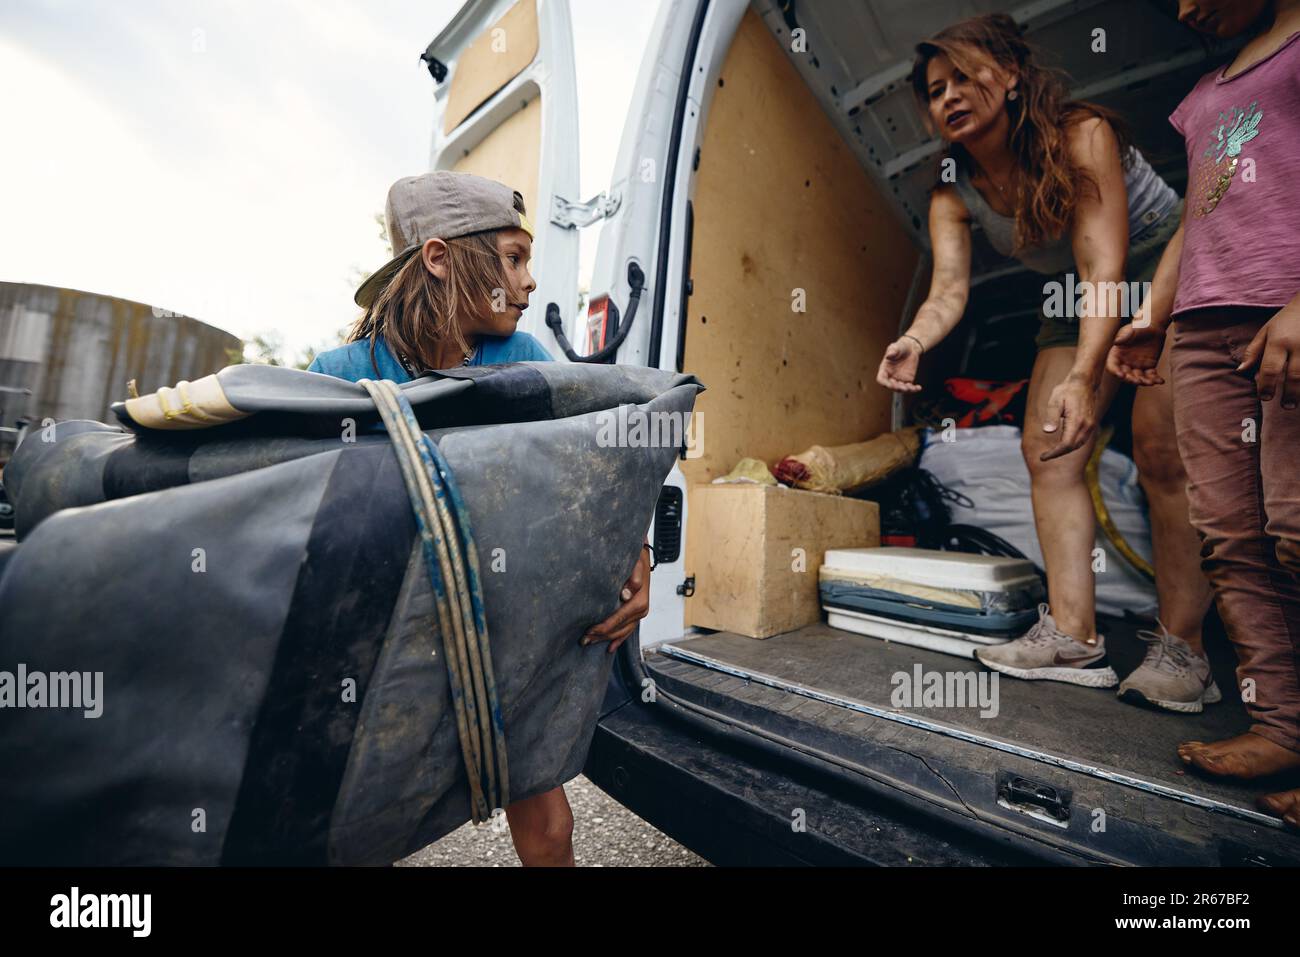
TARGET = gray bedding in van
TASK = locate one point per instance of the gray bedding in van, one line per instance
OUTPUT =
(254, 600)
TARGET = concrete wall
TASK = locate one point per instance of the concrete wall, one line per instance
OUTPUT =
(76, 350)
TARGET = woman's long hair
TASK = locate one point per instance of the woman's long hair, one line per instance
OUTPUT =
(417, 310)
(1051, 183)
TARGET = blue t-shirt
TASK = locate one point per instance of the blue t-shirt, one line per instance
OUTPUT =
(352, 361)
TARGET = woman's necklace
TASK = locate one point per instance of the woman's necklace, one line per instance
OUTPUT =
(988, 178)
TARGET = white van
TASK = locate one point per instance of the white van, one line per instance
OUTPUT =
(773, 148)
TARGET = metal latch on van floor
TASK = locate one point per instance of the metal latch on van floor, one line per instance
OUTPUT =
(570, 215)
(1041, 801)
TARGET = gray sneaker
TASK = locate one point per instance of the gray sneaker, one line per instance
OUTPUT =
(1172, 676)
(1045, 652)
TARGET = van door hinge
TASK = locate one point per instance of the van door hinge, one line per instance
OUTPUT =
(687, 587)
(437, 69)
(570, 215)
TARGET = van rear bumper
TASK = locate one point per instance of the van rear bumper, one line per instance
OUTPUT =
(736, 806)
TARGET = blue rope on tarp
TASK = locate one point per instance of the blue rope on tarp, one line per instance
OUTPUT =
(451, 559)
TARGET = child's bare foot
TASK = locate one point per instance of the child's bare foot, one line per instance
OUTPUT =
(1285, 804)
(1245, 756)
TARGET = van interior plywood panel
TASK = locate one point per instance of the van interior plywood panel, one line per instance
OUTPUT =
(511, 154)
(493, 59)
(782, 205)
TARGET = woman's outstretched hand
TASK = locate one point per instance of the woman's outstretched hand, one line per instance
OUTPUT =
(1071, 410)
(1136, 353)
(898, 367)
(636, 605)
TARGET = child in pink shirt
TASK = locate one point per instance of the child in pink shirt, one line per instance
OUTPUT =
(1230, 283)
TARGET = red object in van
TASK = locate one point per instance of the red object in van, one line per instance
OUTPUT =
(899, 541)
(992, 401)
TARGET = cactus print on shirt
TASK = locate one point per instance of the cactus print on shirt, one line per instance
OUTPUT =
(1212, 177)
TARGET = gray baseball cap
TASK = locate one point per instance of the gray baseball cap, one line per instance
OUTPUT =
(443, 204)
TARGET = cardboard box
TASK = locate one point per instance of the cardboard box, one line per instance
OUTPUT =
(754, 551)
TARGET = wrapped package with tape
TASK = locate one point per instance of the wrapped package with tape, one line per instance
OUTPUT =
(850, 468)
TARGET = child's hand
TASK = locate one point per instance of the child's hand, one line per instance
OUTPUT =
(636, 605)
(1136, 353)
(898, 368)
(1273, 347)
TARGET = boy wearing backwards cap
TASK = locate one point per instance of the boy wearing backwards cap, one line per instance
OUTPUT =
(452, 295)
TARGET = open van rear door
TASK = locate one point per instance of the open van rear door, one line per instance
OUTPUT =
(506, 107)
(642, 266)
(642, 258)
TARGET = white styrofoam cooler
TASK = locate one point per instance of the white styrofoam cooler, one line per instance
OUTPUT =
(937, 569)
(950, 602)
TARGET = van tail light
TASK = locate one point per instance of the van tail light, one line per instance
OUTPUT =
(602, 323)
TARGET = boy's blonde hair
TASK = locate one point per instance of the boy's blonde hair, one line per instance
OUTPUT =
(417, 310)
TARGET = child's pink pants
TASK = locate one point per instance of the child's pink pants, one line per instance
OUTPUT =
(1242, 458)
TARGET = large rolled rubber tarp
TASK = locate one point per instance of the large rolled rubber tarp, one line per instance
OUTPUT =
(255, 598)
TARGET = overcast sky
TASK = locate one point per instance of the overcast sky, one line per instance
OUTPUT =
(224, 159)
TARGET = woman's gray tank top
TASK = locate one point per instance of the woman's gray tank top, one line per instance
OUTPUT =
(1150, 199)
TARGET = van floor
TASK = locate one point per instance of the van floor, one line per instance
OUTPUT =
(1086, 725)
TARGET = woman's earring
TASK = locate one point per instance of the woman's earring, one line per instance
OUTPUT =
(1013, 95)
